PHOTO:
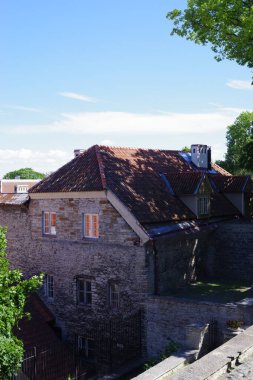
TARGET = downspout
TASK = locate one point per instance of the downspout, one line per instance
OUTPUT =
(156, 269)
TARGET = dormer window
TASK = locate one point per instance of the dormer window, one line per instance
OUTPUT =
(22, 189)
(203, 206)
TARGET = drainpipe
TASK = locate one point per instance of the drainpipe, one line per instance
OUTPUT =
(156, 268)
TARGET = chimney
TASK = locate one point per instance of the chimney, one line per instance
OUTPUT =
(77, 152)
(201, 156)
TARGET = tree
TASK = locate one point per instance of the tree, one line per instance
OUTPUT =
(239, 135)
(186, 149)
(13, 293)
(24, 173)
(226, 24)
(239, 156)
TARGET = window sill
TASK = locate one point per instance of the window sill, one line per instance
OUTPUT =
(84, 305)
(90, 238)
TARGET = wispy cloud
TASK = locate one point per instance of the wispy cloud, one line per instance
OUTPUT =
(123, 123)
(22, 108)
(74, 95)
(240, 84)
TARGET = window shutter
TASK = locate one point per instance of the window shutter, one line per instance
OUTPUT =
(95, 226)
(87, 225)
(46, 223)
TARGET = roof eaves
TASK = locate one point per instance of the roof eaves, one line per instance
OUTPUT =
(128, 216)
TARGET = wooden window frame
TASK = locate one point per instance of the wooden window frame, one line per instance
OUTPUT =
(114, 295)
(90, 226)
(49, 223)
(203, 205)
(87, 346)
(83, 291)
(49, 286)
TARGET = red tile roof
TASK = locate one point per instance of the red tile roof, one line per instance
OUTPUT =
(185, 183)
(134, 177)
(230, 184)
(13, 199)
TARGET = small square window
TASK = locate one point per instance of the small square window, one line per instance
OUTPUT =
(84, 291)
(49, 286)
(91, 226)
(49, 223)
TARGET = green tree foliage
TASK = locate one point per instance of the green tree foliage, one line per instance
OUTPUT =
(239, 136)
(239, 156)
(13, 293)
(24, 173)
(226, 24)
(186, 149)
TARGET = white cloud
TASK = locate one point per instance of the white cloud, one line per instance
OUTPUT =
(123, 123)
(106, 142)
(74, 95)
(240, 84)
(44, 162)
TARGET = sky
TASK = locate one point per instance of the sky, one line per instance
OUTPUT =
(78, 73)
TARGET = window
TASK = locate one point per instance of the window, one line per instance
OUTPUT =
(114, 295)
(49, 223)
(90, 226)
(86, 346)
(22, 189)
(84, 293)
(49, 286)
(203, 205)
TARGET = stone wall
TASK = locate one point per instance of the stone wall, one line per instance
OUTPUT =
(168, 317)
(16, 219)
(115, 256)
(230, 254)
(181, 260)
(112, 227)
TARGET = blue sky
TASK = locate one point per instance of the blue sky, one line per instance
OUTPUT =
(77, 73)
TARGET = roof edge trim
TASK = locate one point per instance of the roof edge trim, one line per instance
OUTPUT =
(128, 216)
(70, 194)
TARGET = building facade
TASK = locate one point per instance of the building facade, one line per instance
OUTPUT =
(113, 227)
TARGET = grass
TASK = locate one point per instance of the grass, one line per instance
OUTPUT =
(215, 291)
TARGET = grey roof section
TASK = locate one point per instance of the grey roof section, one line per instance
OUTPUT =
(13, 199)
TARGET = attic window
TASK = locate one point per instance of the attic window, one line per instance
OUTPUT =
(203, 206)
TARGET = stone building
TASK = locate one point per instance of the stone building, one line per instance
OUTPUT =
(115, 226)
(17, 185)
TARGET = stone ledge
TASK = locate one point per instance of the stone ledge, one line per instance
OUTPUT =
(209, 367)
(217, 362)
(168, 366)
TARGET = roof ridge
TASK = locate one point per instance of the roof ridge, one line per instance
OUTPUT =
(138, 148)
(100, 166)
